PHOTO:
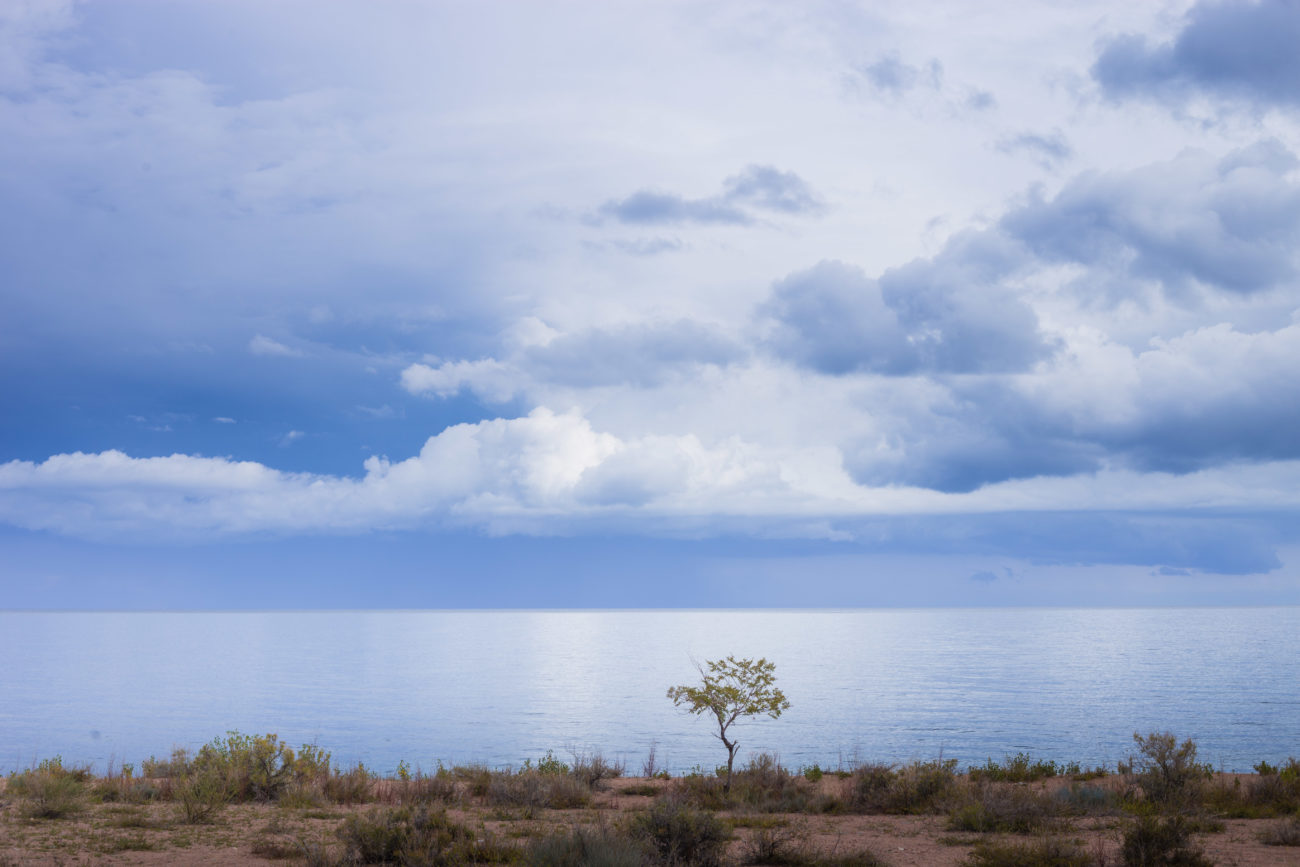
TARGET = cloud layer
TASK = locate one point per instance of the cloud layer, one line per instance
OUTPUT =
(891, 279)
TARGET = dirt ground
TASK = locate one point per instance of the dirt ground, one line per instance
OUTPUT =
(153, 834)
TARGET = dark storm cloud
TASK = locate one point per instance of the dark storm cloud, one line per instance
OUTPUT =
(755, 190)
(1239, 51)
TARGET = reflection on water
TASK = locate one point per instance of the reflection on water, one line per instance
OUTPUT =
(1068, 684)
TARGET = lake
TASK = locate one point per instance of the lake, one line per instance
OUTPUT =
(501, 686)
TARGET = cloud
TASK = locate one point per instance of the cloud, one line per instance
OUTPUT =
(639, 246)
(638, 355)
(756, 190)
(890, 75)
(1230, 224)
(946, 314)
(768, 189)
(490, 379)
(262, 345)
(984, 577)
(1048, 149)
(221, 419)
(290, 438)
(1212, 397)
(544, 463)
(1241, 51)
(555, 473)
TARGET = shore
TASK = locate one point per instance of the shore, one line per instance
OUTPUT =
(770, 815)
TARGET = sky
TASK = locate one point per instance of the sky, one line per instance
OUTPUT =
(648, 304)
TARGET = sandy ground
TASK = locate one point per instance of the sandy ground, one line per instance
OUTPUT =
(153, 834)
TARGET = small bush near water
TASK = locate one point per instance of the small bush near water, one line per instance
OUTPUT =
(1167, 771)
(916, 788)
(679, 834)
(1020, 768)
(417, 837)
(1153, 841)
(536, 789)
(50, 790)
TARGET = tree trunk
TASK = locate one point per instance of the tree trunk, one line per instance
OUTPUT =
(731, 758)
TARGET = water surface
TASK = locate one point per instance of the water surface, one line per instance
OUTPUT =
(497, 687)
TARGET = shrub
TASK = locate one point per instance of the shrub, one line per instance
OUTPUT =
(300, 796)
(1005, 807)
(416, 837)
(423, 788)
(549, 764)
(681, 835)
(1087, 800)
(1282, 834)
(1020, 768)
(1045, 852)
(586, 847)
(765, 785)
(257, 768)
(1167, 770)
(783, 845)
(202, 794)
(594, 768)
(477, 777)
(533, 789)
(916, 788)
(1160, 842)
(311, 765)
(178, 765)
(49, 792)
(353, 786)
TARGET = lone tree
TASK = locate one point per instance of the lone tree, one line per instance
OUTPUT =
(732, 688)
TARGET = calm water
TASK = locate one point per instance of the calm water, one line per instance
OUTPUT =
(1068, 684)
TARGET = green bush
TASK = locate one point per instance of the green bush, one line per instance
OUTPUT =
(916, 788)
(1168, 771)
(256, 767)
(548, 764)
(202, 794)
(418, 837)
(680, 835)
(49, 792)
(1020, 768)
(311, 765)
(1151, 841)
